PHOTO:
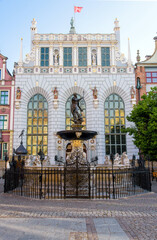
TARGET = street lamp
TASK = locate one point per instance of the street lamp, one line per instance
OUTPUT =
(42, 157)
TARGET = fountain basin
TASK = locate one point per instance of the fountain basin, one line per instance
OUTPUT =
(77, 135)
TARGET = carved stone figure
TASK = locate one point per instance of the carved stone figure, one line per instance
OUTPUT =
(132, 92)
(107, 161)
(94, 58)
(95, 93)
(36, 161)
(28, 162)
(75, 109)
(56, 57)
(55, 93)
(125, 159)
(117, 159)
(18, 93)
(46, 161)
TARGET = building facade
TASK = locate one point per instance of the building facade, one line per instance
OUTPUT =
(59, 65)
(146, 73)
(7, 88)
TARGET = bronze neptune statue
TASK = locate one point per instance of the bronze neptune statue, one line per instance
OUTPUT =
(75, 109)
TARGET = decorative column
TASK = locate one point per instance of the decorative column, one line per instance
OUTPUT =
(112, 56)
(130, 68)
(75, 59)
(74, 56)
(61, 55)
(89, 69)
(51, 55)
(98, 55)
(37, 56)
(89, 55)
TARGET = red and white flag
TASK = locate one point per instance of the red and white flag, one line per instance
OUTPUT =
(77, 9)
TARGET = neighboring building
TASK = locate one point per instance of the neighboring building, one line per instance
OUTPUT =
(60, 65)
(7, 89)
(146, 73)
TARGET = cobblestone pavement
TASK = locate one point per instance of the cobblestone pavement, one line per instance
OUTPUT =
(133, 218)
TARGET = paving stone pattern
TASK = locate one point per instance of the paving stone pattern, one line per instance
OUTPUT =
(132, 218)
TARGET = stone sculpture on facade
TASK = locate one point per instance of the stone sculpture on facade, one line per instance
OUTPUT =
(95, 93)
(76, 109)
(18, 93)
(132, 92)
(95, 97)
(55, 95)
(18, 98)
(56, 57)
(133, 95)
(94, 57)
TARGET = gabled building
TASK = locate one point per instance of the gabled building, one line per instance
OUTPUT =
(59, 65)
(146, 73)
(7, 89)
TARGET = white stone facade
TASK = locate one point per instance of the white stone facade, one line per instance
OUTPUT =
(118, 78)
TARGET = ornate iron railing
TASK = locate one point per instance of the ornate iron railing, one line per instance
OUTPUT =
(84, 182)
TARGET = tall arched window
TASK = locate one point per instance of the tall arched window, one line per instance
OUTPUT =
(115, 139)
(37, 125)
(69, 116)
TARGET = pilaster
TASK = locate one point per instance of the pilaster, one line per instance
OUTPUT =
(98, 55)
(61, 54)
(51, 55)
(37, 56)
(89, 55)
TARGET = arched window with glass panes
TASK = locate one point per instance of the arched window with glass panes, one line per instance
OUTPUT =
(69, 116)
(115, 138)
(37, 125)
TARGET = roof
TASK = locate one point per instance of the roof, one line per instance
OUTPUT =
(3, 57)
(153, 59)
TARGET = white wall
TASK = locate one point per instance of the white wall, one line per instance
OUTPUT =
(65, 86)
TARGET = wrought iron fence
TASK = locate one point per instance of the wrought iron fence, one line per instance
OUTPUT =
(91, 182)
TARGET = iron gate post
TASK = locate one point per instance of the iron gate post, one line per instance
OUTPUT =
(113, 177)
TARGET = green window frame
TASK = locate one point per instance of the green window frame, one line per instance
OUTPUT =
(105, 56)
(67, 56)
(4, 97)
(3, 122)
(115, 139)
(82, 55)
(37, 125)
(44, 57)
(69, 116)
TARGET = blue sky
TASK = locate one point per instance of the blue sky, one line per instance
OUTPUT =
(137, 21)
